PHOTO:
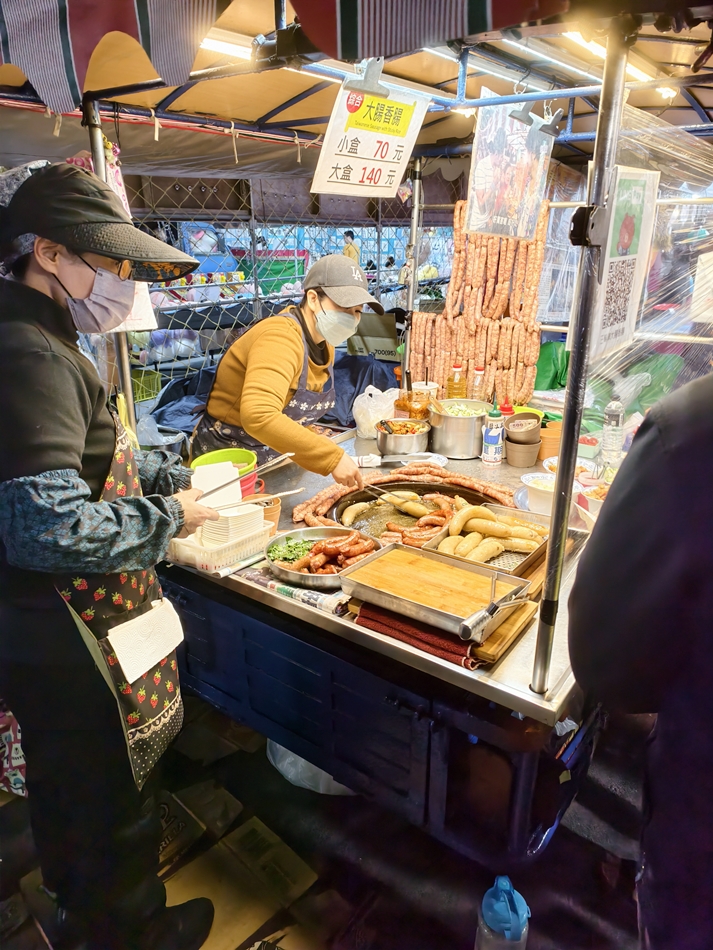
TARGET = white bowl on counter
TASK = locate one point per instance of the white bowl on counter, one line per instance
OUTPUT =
(540, 491)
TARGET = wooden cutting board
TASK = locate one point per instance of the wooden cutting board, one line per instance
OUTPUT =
(439, 584)
(499, 641)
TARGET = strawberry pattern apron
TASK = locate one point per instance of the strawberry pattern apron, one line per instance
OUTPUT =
(151, 708)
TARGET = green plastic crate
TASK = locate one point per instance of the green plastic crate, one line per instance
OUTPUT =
(146, 383)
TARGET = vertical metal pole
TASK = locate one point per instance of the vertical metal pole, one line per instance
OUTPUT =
(570, 117)
(413, 253)
(92, 120)
(608, 123)
(280, 14)
(462, 75)
(377, 292)
(257, 309)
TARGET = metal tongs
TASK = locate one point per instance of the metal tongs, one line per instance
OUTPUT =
(474, 627)
(378, 492)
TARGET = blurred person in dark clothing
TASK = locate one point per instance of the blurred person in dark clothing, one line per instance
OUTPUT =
(641, 641)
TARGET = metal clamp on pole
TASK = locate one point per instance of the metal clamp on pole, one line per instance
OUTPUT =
(412, 255)
(92, 120)
(588, 230)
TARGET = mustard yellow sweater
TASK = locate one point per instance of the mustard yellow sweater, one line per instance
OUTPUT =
(256, 379)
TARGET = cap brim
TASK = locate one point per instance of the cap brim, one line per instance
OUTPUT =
(153, 260)
(353, 297)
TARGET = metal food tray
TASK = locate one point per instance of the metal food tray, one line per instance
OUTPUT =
(512, 563)
(451, 623)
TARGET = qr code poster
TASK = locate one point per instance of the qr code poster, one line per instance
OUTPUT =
(631, 227)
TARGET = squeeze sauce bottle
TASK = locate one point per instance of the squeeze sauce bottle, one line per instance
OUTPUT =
(493, 430)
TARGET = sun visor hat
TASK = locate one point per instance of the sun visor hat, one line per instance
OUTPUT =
(343, 281)
(75, 208)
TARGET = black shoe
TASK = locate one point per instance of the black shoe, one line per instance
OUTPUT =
(183, 927)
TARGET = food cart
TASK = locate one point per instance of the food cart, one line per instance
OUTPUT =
(386, 719)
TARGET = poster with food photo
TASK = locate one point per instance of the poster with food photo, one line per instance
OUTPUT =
(508, 172)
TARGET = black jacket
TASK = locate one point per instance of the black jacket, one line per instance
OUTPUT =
(641, 612)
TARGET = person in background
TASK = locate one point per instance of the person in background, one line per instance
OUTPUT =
(641, 641)
(351, 249)
(83, 521)
(277, 379)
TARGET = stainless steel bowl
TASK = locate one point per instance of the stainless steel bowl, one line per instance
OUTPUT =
(402, 444)
(459, 437)
(313, 581)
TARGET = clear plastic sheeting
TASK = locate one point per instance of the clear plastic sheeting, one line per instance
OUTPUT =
(559, 271)
(673, 342)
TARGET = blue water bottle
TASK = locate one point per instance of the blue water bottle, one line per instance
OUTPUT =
(503, 918)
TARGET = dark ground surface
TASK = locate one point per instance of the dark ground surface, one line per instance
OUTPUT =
(408, 891)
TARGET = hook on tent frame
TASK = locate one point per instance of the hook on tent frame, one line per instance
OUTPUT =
(522, 114)
(369, 80)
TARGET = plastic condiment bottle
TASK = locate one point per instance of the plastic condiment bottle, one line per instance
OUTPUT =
(507, 411)
(478, 381)
(503, 918)
(457, 384)
(493, 431)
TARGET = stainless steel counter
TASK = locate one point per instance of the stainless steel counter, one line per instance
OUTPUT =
(507, 682)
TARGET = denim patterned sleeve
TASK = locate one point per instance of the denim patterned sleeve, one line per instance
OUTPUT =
(162, 473)
(48, 523)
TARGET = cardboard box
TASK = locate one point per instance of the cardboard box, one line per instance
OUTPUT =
(376, 335)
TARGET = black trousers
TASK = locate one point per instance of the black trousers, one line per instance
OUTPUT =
(97, 836)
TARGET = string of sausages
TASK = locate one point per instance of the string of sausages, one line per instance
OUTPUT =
(313, 511)
(490, 315)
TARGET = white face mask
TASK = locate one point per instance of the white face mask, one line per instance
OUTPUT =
(106, 307)
(336, 326)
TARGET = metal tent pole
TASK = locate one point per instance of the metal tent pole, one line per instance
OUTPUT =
(121, 344)
(416, 200)
(609, 121)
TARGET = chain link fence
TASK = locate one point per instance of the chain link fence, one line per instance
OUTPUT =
(255, 240)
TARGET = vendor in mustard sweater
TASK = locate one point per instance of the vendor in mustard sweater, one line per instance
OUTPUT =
(277, 379)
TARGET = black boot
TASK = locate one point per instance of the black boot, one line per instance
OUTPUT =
(182, 927)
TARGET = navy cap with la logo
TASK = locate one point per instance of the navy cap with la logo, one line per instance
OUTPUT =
(342, 280)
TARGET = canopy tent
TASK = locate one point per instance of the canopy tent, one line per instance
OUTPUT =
(224, 67)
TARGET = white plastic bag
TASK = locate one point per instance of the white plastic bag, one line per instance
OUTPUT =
(302, 773)
(371, 407)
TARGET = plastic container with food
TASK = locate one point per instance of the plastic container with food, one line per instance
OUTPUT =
(407, 436)
(589, 445)
(540, 491)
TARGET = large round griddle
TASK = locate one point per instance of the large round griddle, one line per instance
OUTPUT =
(421, 488)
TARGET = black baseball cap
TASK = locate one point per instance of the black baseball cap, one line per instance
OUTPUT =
(75, 208)
(342, 280)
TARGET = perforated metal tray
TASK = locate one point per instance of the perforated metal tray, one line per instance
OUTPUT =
(509, 562)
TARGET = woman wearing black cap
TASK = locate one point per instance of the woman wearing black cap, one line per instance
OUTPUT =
(82, 522)
(277, 379)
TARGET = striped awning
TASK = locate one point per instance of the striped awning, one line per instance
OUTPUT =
(52, 41)
(359, 29)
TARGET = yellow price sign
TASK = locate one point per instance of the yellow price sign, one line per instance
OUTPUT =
(373, 114)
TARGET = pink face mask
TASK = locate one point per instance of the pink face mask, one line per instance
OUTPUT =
(106, 307)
